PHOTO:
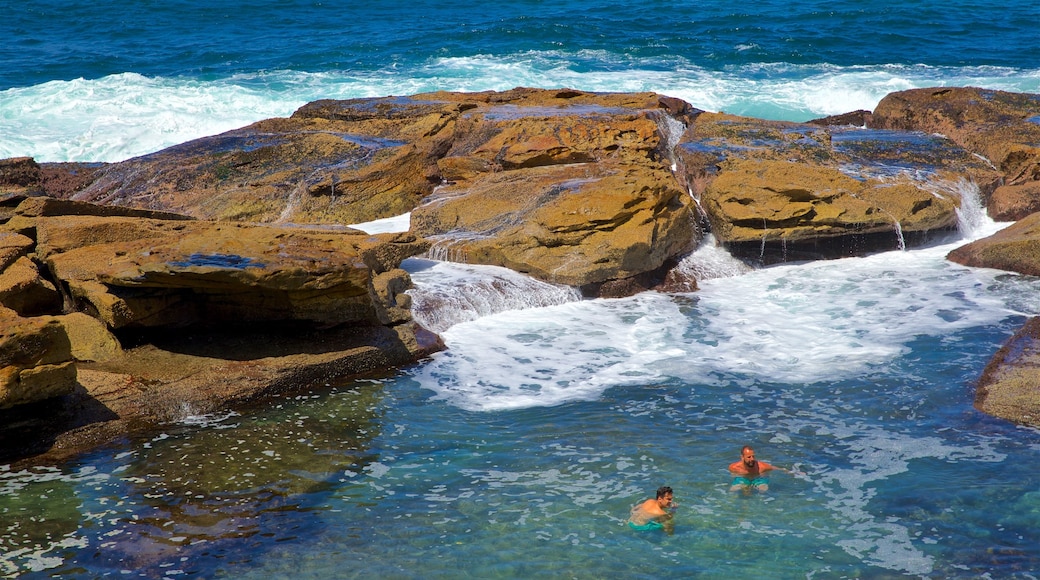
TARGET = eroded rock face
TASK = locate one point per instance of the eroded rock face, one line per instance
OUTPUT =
(776, 191)
(1016, 248)
(35, 359)
(1000, 126)
(158, 318)
(156, 273)
(1009, 387)
(332, 162)
(572, 188)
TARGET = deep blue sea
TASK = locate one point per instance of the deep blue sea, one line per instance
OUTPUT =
(518, 452)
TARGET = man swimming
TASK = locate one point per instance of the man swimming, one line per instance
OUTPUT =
(651, 514)
(749, 473)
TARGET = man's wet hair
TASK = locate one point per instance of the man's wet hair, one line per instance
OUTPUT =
(663, 491)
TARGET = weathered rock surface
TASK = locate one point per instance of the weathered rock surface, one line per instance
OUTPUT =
(334, 162)
(1016, 248)
(35, 359)
(1000, 126)
(170, 317)
(776, 191)
(569, 187)
(1010, 384)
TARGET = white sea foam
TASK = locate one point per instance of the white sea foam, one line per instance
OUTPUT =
(126, 115)
(395, 224)
(794, 323)
(449, 293)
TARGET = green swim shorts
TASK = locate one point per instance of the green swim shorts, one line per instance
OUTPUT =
(651, 525)
(738, 480)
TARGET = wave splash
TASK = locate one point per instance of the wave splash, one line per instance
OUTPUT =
(121, 116)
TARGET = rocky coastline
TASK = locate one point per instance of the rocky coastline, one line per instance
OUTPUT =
(223, 271)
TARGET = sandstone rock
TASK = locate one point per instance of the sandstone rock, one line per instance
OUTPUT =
(23, 290)
(340, 162)
(1016, 248)
(1000, 126)
(331, 162)
(1013, 202)
(755, 200)
(35, 359)
(569, 187)
(62, 179)
(12, 247)
(1010, 385)
(153, 273)
(20, 175)
(174, 317)
(858, 118)
(777, 191)
(89, 338)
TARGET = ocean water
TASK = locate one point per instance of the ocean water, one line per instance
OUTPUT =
(518, 452)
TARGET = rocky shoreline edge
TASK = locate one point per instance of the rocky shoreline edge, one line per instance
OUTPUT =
(223, 272)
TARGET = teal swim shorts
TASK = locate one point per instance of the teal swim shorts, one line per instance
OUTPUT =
(651, 525)
(738, 480)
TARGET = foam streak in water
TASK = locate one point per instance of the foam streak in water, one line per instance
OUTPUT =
(792, 323)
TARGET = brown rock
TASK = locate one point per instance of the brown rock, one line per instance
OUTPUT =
(1016, 248)
(23, 290)
(858, 118)
(796, 202)
(89, 338)
(35, 359)
(331, 162)
(1000, 126)
(211, 316)
(12, 247)
(150, 273)
(1013, 202)
(569, 187)
(1010, 385)
(20, 175)
(774, 191)
(61, 180)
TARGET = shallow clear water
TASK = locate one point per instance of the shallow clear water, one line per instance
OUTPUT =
(519, 451)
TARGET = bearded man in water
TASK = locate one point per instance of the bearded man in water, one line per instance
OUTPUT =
(749, 473)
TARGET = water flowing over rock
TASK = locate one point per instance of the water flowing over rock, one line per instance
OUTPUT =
(777, 191)
(1002, 127)
(569, 187)
(222, 270)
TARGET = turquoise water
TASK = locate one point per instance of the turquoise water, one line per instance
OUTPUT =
(519, 451)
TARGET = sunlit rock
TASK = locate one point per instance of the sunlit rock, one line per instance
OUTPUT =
(1008, 386)
(569, 187)
(35, 359)
(778, 191)
(999, 126)
(1016, 248)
